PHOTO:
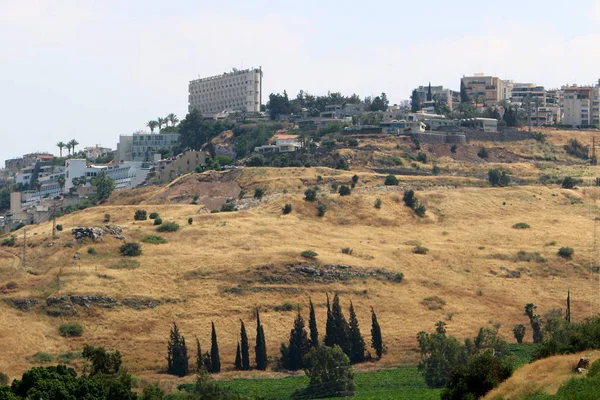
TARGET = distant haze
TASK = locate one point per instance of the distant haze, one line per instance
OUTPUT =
(91, 70)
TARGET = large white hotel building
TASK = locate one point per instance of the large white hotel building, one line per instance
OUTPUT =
(232, 91)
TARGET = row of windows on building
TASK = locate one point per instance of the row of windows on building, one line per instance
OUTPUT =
(226, 88)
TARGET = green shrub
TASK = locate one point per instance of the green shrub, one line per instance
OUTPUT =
(344, 190)
(287, 208)
(347, 250)
(342, 164)
(420, 250)
(259, 193)
(154, 239)
(286, 306)
(569, 182)
(309, 254)
(409, 199)
(483, 153)
(453, 148)
(71, 329)
(433, 303)
(498, 178)
(310, 194)
(92, 251)
(168, 227)
(241, 194)
(106, 218)
(422, 157)
(59, 227)
(124, 264)
(521, 225)
(435, 170)
(576, 149)
(355, 179)
(519, 332)
(158, 221)
(131, 249)
(420, 210)
(352, 142)
(396, 160)
(228, 207)
(153, 215)
(190, 220)
(321, 209)
(391, 180)
(334, 186)
(41, 357)
(69, 357)
(566, 252)
(378, 203)
(9, 241)
(3, 379)
(140, 215)
(329, 372)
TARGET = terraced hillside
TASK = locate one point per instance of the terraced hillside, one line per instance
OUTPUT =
(478, 269)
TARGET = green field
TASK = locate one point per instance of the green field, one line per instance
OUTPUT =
(400, 383)
(403, 382)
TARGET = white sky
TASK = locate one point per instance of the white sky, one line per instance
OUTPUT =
(91, 70)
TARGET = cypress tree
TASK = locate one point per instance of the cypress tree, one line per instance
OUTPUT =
(238, 358)
(177, 358)
(261, 346)
(198, 355)
(215, 359)
(429, 95)
(464, 97)
(568, 311)
(340, 327)
(244, 348)
(299, 344)
(376, 340)
(357, 353)
(206, 361)
(329, 334)
(312, 325)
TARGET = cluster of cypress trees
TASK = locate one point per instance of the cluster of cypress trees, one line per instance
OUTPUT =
(177, 354)
(338, 331)
(242, 355)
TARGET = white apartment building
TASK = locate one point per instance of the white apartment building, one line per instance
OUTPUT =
(485, 90)
(141, 146)
(522, 90)
(577, 105)
(231, 91)
(127, 175)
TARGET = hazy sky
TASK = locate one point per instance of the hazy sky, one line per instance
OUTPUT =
(91, 70)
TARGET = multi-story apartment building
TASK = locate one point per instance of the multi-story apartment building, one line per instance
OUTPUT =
(141, 146)
(232, 91)
(446, 96)
(507, 87)
(127, 175)
(577, 104)
(484, 90)
(535, 93)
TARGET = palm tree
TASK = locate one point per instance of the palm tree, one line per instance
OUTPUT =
(61, 182)
(152, 124)
(161, 121)
(173, 119)
(73, 143)
(68, 146)
(61, 145)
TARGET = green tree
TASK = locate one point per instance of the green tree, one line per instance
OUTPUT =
(415, 101)
(409, 198)
(298, 344)
(172, 119)
(103, 362)
(4, 198)
(104, 185)
(357, 353)
(199, 361)
(429, 95)
(61, 145)
(498, 178)
(464, 97)
(215, 359)
(519, 332)
(72, 143)
(152, 124)
(238, 358)
(340, 328)
(439, 356)
(177, 358)
(342, 164)
(376, 338)
(261, 346)
(244, 347)
(330, 373)
(278, 105)
(160, 122)
(329, 334)
(312, 325)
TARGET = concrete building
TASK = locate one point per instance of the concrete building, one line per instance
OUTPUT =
(402, 127)
(577, 105)
(446, 96)
(141, 146)
(485, 90)
(231, 91)
(522, 90)
(127, 175)
(96, 151)
(484, 124)
(507, 87)
(283, 144)
(167, 170)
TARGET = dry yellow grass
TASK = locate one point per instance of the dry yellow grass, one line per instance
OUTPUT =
(546, 375)
(224, 250)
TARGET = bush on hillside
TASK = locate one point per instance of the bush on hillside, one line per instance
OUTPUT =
(498, 178)
(131, 249)
(259, 193)
(158, 221)
(521, 225)
(9, 241)
(345, 190)
(321, 209)
(106, 218)
(190, 220)
(420, 210)
(378, 203)
(342, 164)
(391, 180)
(310, 194)
(576, 149)
(309, 254)
(420, 250)
(71, 329)
(483, 153)
(519, 332)
(59, 227)
(422, 157)
(3, 379)
(566, 252)
(168, 227)
(153, 215)
(154, 239)
(140, 215)
(569, 182)
(287, 208)
(409, 198)
(92, 251)
(228, 207)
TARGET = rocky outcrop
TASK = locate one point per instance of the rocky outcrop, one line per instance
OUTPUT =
(22, 304)
(93, 233)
